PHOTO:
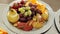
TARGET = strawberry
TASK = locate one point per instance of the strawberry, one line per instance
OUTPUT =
(27, 28)
(24, 26)
(21, 25)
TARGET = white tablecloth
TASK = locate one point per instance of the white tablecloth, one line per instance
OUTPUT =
(2, 6)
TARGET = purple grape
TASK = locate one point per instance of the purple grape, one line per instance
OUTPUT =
(23, 19)
(38, 11)
(22, 2)
(21, 15)
(18, 12)
(30, 4)
(32, 8)
(29, 18)
(34, 5)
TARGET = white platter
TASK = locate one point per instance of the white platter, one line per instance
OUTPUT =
(41, 30)
(57, 19)
(2, 7)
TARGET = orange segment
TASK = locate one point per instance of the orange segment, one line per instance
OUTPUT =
(3, 31)
(41, 7)
(33, 1)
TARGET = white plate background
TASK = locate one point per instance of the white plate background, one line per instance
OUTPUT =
(57, 14)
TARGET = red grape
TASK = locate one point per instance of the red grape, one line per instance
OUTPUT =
(19, 5)
(34, 5)
(30, 4)
(22, 2)
(15, 6)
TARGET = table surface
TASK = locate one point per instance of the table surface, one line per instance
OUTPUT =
(55, 4)
(51, 31)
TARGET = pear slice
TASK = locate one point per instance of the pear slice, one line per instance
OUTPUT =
(37, 25)
(13, 16)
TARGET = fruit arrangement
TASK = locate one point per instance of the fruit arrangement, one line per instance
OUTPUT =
(27, 15)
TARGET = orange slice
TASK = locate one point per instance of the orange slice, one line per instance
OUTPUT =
(41, 7)
(30, 1)
(33, 1)
(3, 31)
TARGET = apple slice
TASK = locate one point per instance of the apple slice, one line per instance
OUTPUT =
(13, 16)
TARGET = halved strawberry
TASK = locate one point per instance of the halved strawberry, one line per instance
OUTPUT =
(24, 26)
(27, 28)
(21, 25)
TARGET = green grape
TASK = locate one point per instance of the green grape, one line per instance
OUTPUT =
(26, 14)
(21, 10)
(29, 12)
(27, 8)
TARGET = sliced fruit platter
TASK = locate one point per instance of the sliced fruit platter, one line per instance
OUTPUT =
(27, 15)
